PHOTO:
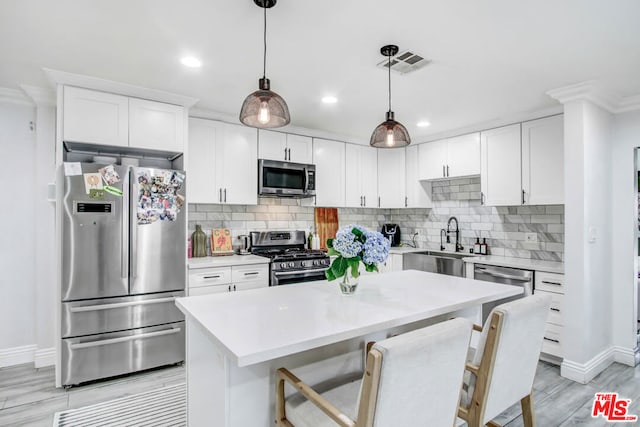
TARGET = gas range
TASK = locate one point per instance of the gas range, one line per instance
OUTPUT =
(290, 261)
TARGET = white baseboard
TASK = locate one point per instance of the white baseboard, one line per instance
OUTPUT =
(624, 355)
(44, 357)
(585, 372)
(17, 355)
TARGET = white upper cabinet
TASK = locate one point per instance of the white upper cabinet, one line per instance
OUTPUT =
(329, 158)
(433, 159)
(500, 177)
(463, 155)
(543, 160)
(391, 178)
(95, 117)
(107, 119)
(418, 192)
(285, 147)
(222, 163)
(156, 125)
(361, 176)
(450, 158)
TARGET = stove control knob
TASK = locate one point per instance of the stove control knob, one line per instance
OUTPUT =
(291, 264)
(315, 262)
(283, 264)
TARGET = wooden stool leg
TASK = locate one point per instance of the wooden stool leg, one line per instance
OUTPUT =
(528, 415)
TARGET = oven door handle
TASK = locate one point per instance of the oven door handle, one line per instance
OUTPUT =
(291, 273)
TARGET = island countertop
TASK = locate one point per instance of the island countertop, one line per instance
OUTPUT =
(254, 326)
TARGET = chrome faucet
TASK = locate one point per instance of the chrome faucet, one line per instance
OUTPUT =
(459, 247)
(443, 231)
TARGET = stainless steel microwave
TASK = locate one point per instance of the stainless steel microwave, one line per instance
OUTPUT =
(286, 179)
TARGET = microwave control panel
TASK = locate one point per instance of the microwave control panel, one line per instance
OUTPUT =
(311, 180)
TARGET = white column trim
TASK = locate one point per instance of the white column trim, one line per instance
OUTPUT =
(626, 356)
(585, 372)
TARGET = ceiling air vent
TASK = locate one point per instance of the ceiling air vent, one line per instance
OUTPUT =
(406, 62)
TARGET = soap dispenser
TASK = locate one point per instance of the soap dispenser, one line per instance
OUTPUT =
(476, 246)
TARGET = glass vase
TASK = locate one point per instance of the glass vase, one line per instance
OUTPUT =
(348, 284)
(199, 242)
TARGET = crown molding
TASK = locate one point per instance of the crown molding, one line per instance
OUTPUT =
(57, 77)
(14, 96)
(593, 92)
(203, 113)
(42, 97)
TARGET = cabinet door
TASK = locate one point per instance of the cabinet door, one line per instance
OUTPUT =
(329, 158)
(353, 176)
(418, 192)
(391, 177)
(272, 145)
(369, 176)
(237, 163)
(433, 159)
(95, 117)
(156, 125)
(463, 155)
(543, 161)
(300, 148)
(500, 177)
(396, 262)
(204, 138)
(249, 285)
(207, 290)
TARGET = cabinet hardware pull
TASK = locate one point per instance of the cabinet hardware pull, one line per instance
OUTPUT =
(252, 273)
(523, 197)
(551, 283)
(406, 201)
(481, 198)
(234, 287)
(552, 340)
(555, 309)
(285, 154)
(229, 287)
(220, 196)
(225, 195)
(447, 171)
(361, 201)
(364, 198)
(443, 173)
(212, 277)
(378, 201)
(289, 153)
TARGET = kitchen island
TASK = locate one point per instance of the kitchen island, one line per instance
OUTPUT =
(236, 341)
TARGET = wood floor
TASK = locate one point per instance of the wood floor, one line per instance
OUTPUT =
(28, 396)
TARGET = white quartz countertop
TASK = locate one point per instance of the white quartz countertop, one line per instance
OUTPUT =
(263, 324)
(404, 250)
(528, 264)
(226, 261)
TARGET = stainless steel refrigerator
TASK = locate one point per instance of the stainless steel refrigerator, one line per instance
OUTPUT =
(123, 265)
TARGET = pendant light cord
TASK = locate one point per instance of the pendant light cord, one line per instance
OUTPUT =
(389, 67)
(264, 38)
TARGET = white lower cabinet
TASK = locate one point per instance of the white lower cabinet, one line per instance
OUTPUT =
(552, 284)
(393, 263)
(212, 280)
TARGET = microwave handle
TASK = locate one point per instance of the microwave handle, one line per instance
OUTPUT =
(306, 178)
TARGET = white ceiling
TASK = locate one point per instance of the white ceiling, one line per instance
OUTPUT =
(491, 58)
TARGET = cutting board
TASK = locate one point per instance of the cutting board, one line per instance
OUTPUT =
(326, 224)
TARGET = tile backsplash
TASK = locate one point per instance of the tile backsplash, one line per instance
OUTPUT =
(505, 228)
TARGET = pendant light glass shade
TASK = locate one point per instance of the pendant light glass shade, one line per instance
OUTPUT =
(390, 133)
(264, 108)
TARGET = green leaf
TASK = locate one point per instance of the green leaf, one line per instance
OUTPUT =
(330, 243)
(328, 273)
(332, 252)
(369, 267)
(339, 266)
(354, 263)
(359, 234)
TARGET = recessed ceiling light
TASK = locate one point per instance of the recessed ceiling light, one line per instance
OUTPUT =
(190, 61)
(423, 124)
(329, 99)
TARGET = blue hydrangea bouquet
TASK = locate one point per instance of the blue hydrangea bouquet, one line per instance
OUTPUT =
(354, 244)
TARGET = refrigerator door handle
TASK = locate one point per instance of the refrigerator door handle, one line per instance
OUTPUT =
(126, 197)
(119, 305)
(123, 339)
(133, 242)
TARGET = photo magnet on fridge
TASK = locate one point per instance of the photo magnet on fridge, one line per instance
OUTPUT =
(72, 169)
(92, 181)
(109, 175)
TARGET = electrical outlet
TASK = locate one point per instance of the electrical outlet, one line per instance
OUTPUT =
(531, 237)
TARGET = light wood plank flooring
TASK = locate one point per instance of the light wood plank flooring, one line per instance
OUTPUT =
(28, 396)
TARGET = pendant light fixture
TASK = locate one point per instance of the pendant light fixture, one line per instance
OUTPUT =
(264, 108)
(390, 134)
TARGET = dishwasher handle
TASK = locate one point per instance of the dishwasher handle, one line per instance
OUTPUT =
(502, 275)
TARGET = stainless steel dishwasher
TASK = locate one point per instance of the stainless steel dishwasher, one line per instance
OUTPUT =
(504, 275)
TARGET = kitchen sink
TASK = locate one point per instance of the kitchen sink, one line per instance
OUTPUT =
(436, 262)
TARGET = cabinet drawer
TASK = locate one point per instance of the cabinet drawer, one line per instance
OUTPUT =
(550, 282)
(209, 276)
(251, 285)
(207, 290)
(552, 341)
(556, 309)
(250, 273)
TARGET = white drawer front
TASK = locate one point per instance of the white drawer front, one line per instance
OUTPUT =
(251, 285)
(250, 273)
(552, 342)
(556, 309)
(209, 276)
(551, 282)
(206, 290)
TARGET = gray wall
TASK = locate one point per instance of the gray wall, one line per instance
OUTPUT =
(504, 227)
